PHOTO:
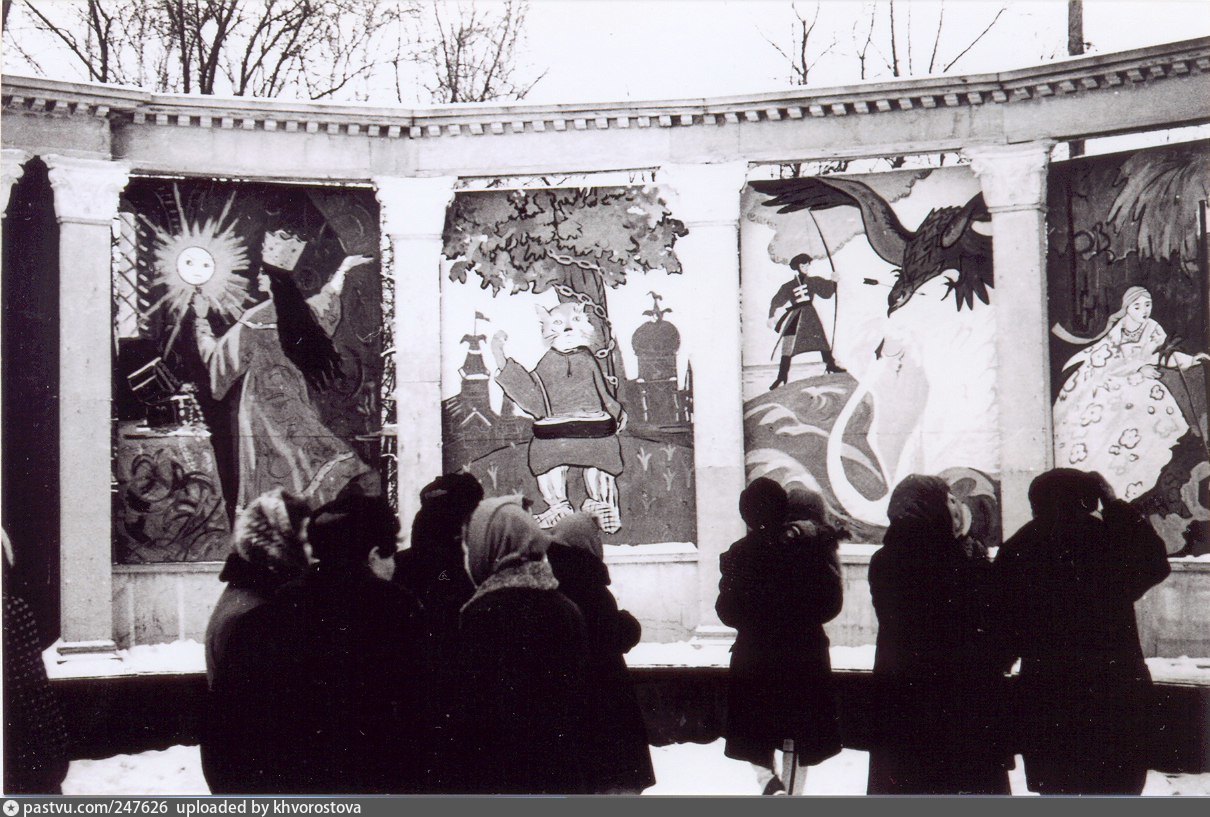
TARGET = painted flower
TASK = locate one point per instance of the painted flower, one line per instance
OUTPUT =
(1157, 392)
(1100, 355)
(1092, 414)
(1133, 490)
(1130, 438)
(1166, 427)
(1079, 453)
(1115, 449)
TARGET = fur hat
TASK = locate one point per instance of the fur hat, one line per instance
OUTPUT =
(454, 495)
(268, 533)
(763, 504)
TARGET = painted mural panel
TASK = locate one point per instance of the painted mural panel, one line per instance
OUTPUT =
(564, 374)
(248, 332)
(869, 345)
(1127, 286)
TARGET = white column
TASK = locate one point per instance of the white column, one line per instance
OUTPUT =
(1013, 178)
(413, 218)
(707, 199)
(86, 202)
(12, 163)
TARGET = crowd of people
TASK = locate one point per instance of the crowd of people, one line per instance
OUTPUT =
(952, 622)
(486, 658)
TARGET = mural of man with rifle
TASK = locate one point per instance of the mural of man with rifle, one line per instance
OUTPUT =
(793, 316)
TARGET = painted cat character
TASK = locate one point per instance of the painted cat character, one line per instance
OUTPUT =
(577, 419)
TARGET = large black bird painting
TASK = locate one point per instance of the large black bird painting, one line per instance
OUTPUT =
(945, 239)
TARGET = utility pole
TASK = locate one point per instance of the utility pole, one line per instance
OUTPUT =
(1075, 47)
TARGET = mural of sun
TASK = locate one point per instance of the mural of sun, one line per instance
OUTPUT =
(202, 259)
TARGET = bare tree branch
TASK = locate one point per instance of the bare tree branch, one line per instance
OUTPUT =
(937, 38)
(894, 47)
(70, 41)
(975, 41)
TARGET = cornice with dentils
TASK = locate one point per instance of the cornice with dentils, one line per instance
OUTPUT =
(1082, 75)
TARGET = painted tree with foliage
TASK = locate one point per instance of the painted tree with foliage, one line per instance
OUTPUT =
(576, 241)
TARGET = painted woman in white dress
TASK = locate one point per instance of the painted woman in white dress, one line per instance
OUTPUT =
(278, 348)
(1114, 414)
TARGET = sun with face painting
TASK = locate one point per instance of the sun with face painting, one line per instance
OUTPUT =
(203, 259)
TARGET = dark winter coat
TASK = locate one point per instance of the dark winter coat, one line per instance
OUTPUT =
(619, 758)
(35, 735)
(522, 730)
(1085, 692)
(322, 690)
(939, 667)
(438, 579)
(778, 593)
(248, 587)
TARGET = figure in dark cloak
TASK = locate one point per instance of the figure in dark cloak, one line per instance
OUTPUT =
(793, 316)
(779, 585)
(940, 660)
(1070, 583)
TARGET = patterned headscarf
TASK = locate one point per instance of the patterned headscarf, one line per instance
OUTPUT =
(502, 535)
(268, 533)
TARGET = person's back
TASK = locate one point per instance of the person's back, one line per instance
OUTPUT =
(324, 684)
(522, 654)
(440, 583)
(523, 658)
(267, 553)
(433, 568)
(619, 759)
(1070, 583)
(354, 670)
(778, 586)
(939, 661)
(35, 735)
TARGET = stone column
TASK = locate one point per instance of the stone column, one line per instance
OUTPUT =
(707, 197)
(413, 218)
(1013, 178)
(86, 202)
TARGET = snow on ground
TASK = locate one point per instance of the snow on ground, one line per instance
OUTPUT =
(684, 769)
(176, 770)
(177, 657)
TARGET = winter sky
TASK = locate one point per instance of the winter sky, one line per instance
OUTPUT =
(607, 50)
(651, 49)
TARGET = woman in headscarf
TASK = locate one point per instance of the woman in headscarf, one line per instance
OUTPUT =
(267, 553)
(1070, 582)
(779, 585)
(619, 758)
(522, 657)
(1114, 414)
(939, 665)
